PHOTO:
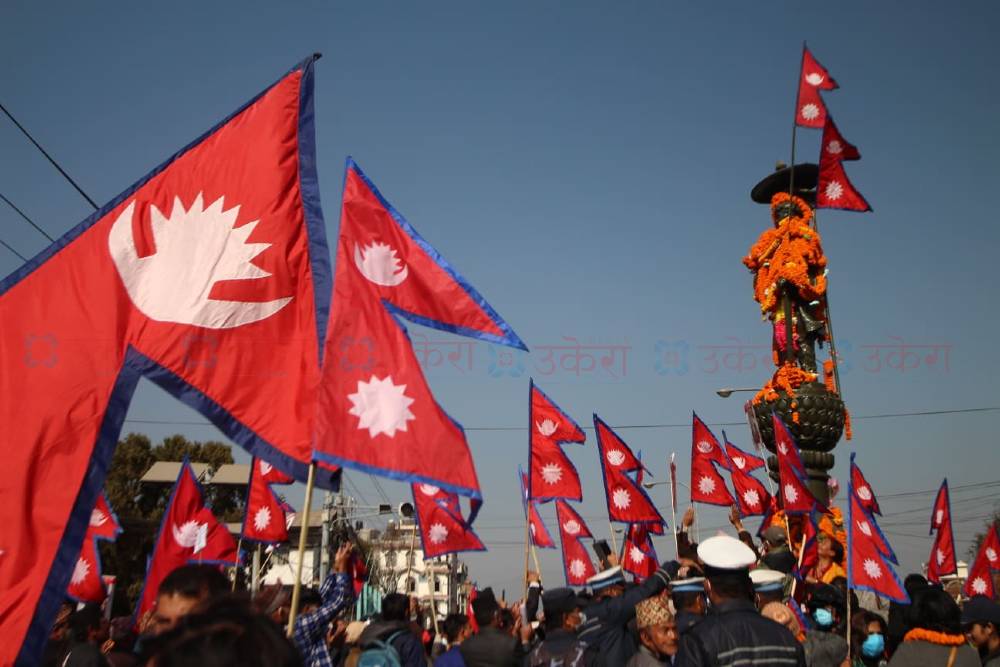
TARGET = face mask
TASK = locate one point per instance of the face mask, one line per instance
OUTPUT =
(823, 617)
(873, 646)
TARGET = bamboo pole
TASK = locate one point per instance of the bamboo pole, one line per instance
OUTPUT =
(303, 533)
(673, 504)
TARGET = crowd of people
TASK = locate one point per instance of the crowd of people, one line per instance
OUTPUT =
(725, 601)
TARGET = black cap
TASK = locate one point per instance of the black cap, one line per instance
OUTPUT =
(825, 595)
(485, 602)
(980, 609)
(806, 178)
(561, 601)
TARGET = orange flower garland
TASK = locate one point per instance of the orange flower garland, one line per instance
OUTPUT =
(940, 638)
(787, 378)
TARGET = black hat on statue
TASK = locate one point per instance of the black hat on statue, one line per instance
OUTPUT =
(806, 178)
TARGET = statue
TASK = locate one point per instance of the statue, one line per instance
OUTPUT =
(789, 270)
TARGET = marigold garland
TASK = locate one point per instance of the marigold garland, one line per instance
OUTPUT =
(940, 638)
(787, 378)
(828, 378)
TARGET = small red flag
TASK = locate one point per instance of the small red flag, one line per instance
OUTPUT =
(550, 472)
(265, 520)
(864, 491)
(190, 533)
(443, 530)
(980, 579)
(639, 555)
(810, 110)
(991, 548)
(540, 536)
(835, 190)
(707, 485)
(796, 498)
(942, 559)
(741, 459)
(627, 502)
(576, 561)
(834, 146)
(752, 498)
(86, 583)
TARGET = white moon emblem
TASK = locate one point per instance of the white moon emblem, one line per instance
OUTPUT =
(379, 264)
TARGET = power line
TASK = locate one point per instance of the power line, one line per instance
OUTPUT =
(886, 415)
(48, 157)
(5, 245)
(26, 218)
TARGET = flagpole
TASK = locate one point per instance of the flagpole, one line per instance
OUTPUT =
(527, 549)
(538, 568)
(303, 533)
(255, 571)
(673, 503)
(614, 542)
(798, 566)
(409, 559)
(236, 569)
(795, 115)
(433, 582)
(829, 323)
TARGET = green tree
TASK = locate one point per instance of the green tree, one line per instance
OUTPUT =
(140, 507)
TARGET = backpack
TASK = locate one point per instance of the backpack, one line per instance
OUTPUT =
(571, 657)
(381, 653)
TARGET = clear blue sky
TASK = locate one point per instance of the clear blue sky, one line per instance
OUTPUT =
(587, 167)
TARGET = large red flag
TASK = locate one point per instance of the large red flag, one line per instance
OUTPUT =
(835, 190)
(376, 411)
(265, 520)
(627, 501)
(210, 276)
(707, 485)
(86, 583)
(550, 472)
(576, 561)
(540, 536)
(638, 554)
(442, 528)
(864, 491)
(867, 567)
(942, 560)
(810, 110)
(796, 498)
(189, 533)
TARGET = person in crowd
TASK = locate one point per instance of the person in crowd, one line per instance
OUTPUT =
(491, 647)
(781, 613)
(456, 629)
(181, 591)
(606, 618)
(394, 630)
(830, 563)
(768, 586)
(981, 622)
(867, 639)
(59, 636)
(935, 638)
(898, 612)
(318, 610)
(658, 634)
(274, 601)
(88, 631)
(561, 647)
(223, 632)
(119, 649)
(825, 644)
(777, 555)
(688, 596)
(734, 633)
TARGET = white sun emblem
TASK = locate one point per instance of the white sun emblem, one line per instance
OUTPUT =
(429, 489)
(704, 446)
(616, 457)
(438, 533)
(80, 571)
(265, 468)
(378, 263)
(621, 498)
(262, 518)
(751, 498)
(991, 554)
(706, 484)
(551, 473)
(533, 529)
(810, 111)
(783, 448)
(814, 78)
(98, 518)
(546, 427)
(864, 493)
(193, 250)
(191, 535)
(635, 553)
(979, 586)
(381, 406)
(571, 527)
(940, 557)
(577, 568)
(739, 462)
(834, 147)
(865, 528)
(791, 494)
(833, 190)
(939, 516)
(872, 569)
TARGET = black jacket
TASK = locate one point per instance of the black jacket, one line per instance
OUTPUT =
(734, 633)
(561, 644)
(605, 622)
(492, 648)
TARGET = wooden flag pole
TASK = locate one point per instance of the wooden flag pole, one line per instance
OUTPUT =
(538, 568)
(527, 549)
(430, 589)
(303, 533)
(673, 503)
(798, 566)
(409, 559)
(236, 570)
(614, 542)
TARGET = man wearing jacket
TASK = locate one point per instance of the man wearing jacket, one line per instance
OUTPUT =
(491, 647)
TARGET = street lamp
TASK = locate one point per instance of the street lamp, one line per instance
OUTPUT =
(650, 485)
(726, 392)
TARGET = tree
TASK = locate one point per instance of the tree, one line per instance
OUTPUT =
(140, 507)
